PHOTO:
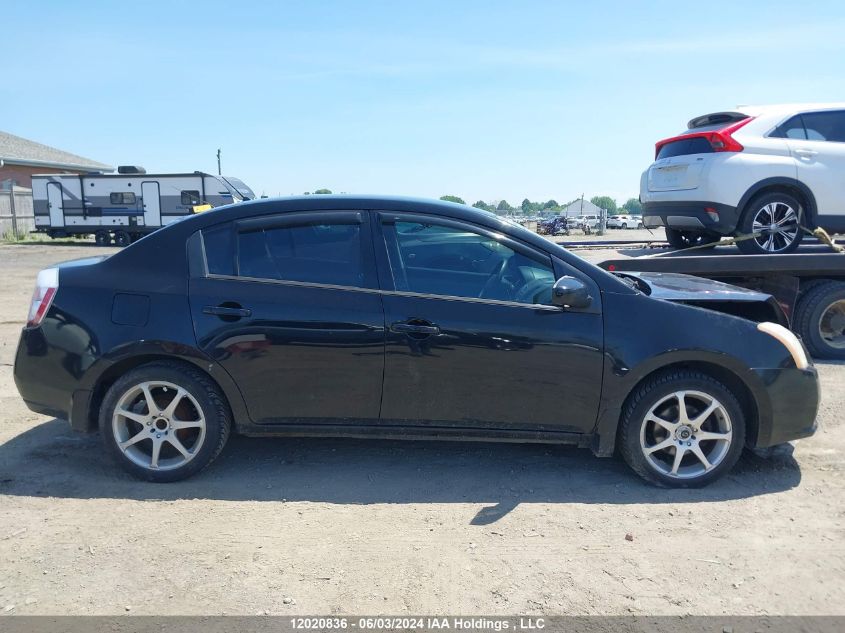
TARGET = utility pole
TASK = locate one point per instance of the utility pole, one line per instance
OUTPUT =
(218, 162)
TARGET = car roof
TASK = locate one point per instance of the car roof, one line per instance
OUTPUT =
(335, 202)
(787, 108)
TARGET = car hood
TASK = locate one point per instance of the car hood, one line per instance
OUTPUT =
(678, 287)
(712, 295)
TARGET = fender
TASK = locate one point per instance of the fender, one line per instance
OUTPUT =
(811, 212)
(124, 357)
(620, 382)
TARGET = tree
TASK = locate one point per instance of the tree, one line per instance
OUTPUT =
(323, 191)
(504, 206)
(526, 206)
(484, 206)
(633, 206)
(551, 204)
(453, 199)
(604, 202)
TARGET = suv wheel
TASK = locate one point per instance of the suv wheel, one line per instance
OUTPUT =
(164, 421)
(682, 429)
(687, 239)
(775, 218)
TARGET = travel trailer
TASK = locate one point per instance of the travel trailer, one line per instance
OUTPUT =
(120, 208)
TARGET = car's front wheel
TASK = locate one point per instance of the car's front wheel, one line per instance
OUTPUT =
(164, 421)
(682, 429)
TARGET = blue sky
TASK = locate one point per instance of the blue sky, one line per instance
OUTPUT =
(484, 100)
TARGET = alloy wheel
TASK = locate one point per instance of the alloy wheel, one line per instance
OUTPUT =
(775, 226)
(686, 434)
(158, 425)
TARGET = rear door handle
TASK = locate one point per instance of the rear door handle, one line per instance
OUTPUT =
(415, 328)
(228, 311)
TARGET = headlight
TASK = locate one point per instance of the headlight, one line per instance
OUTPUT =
(789, 340)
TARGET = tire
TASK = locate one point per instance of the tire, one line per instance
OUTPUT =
(687, 239)
(102, 238)
(820, 319)
(202, 404)
(760, 210)
(624, 225)
(658, 395)
(122, 238)
(640, 225)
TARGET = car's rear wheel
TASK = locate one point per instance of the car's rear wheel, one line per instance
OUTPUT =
(164, 421)
(687, 239)
(775, 221)
(820, 319)
(682, 429)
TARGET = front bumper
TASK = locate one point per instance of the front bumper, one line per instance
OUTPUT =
(793, 405)
(691, 216)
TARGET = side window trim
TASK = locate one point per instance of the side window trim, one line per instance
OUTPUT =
(284, 220)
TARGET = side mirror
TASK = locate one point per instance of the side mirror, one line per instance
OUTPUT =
(569, 292)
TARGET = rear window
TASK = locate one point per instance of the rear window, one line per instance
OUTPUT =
(685, 146)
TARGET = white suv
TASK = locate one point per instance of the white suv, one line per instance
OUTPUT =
(624, 222)
(766, 171)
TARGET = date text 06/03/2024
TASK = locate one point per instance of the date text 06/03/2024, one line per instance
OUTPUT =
(387, 623)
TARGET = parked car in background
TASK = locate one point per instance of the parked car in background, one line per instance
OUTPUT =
(624, 222)
(589, 223)
(403, 318)
(772, 172)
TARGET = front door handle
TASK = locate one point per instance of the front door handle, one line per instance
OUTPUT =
(415, 327)
(805, 153)
(227, 311)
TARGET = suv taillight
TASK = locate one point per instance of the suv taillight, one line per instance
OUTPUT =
(46, 285)
(720, 140)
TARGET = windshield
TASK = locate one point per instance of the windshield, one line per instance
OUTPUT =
(238, 185)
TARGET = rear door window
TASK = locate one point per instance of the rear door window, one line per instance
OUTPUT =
(313, 251)
(825, 126)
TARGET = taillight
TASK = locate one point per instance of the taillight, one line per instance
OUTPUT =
(46, 285)
(720, 140)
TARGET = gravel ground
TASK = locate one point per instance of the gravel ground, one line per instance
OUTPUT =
(352, 527)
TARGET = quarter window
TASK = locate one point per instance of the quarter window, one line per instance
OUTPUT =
(793, 128)
(122, 197)
(315, 253)
(450, 261)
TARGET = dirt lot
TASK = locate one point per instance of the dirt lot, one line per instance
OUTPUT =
(352, 527)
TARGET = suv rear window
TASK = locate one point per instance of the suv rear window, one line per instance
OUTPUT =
(685, 146)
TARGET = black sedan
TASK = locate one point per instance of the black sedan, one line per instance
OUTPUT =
(403, 318)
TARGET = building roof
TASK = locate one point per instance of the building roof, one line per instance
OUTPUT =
(20, 151)
(575, 208)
